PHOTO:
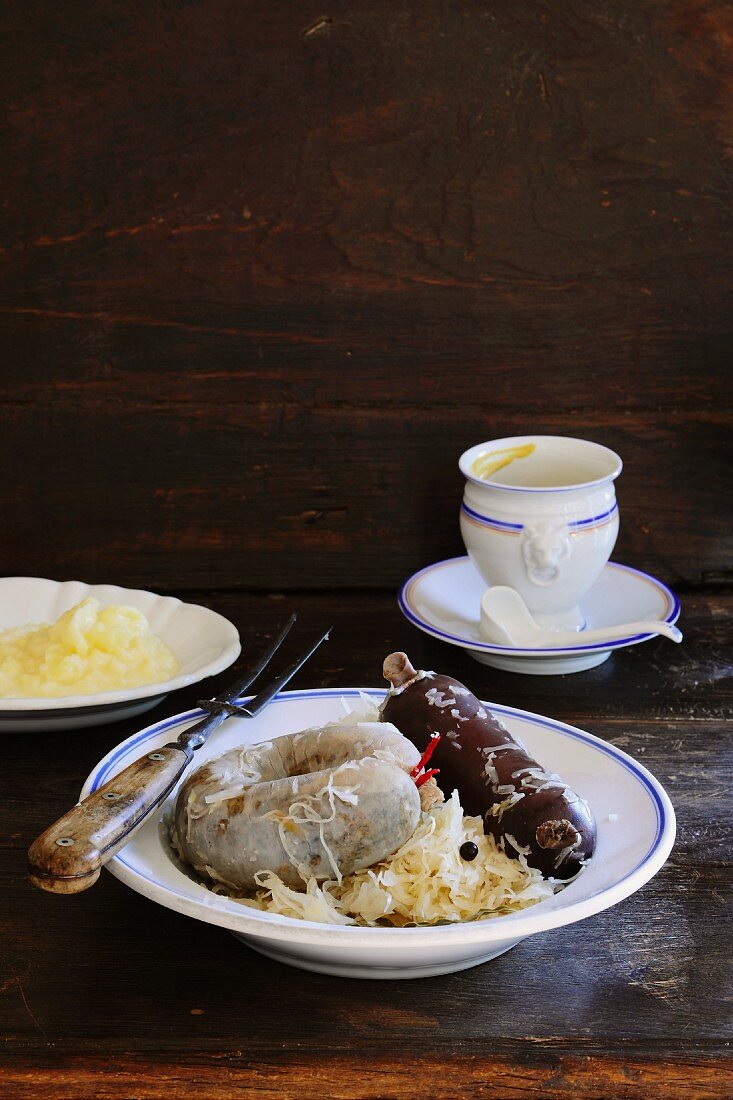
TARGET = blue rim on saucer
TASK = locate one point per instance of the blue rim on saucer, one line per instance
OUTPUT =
(407, 605)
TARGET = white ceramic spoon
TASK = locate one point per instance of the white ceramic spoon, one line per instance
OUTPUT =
(506, 620)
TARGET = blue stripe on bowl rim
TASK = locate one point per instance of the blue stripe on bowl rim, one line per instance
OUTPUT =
(490, 521)
(470, 643)
(99, 776)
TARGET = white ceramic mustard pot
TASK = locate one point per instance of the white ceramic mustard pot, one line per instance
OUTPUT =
(539, 514)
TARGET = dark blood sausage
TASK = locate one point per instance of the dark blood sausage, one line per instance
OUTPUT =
(526, 808)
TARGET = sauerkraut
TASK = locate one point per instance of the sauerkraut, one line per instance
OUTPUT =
(425, 882)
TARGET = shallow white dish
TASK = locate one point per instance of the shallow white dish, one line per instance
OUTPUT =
(636, 830)
(203, 641)
(444, 600)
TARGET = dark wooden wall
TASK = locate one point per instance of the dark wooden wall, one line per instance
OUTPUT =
(270, 266)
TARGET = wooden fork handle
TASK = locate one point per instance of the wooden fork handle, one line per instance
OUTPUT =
(68, 856)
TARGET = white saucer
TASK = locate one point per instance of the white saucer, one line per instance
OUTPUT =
(444, 600)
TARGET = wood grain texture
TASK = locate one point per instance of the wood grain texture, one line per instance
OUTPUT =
(270, 270)
(66, 858)
(657, 680)
(649, 978)
(232, 1075)
(633, 1000)
(288, 496)
(267, 270)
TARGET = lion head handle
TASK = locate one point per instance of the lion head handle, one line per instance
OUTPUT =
(545, 549)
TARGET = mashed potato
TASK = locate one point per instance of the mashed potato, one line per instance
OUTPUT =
(88, 650)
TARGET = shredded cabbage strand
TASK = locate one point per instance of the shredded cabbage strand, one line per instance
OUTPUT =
(425, 882)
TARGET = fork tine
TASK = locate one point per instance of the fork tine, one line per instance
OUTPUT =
(256, 668)
(263, 698)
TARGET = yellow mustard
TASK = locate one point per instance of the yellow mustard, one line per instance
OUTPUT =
(488, 463)
(89, 649)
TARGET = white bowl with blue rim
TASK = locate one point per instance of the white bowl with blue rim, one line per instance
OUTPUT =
(636, 830)
(444, 600)
(203, 642)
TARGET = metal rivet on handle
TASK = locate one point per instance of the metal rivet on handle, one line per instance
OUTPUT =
(65, 841)
(112, 796)
(156, 756)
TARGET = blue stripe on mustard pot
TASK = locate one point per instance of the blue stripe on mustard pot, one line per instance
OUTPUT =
(577, 526)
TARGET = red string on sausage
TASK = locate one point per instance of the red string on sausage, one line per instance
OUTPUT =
(428, 775)
(434, 739)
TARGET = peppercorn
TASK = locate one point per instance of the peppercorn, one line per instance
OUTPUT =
(468, 851)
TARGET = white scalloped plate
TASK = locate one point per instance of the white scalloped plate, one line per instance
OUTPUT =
(636, 830)
(203, 641)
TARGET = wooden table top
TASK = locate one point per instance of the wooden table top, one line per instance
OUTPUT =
(108, 995)
(271, 267)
